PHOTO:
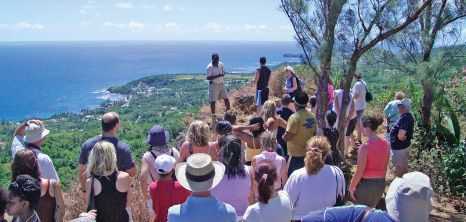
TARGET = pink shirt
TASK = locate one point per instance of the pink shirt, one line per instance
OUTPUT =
(277, 159)
(330, 90)
(379, 152)
(234, 191)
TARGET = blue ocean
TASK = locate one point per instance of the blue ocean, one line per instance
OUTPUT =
(38, 79)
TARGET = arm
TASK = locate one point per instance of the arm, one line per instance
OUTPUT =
(251, 196)
(355, 95)
(144, 177)
(60, 196)
(295, 84)
(281, 122)
(255, 126)
(361, 167)
(184, 150)
(270, 123)
(82, 179)
(256, 79)
(132, 172)
(20, 131)
(402, 135)
(320, 132)
(284, 172)
(87, 194)
(336, 104)
(287, 136)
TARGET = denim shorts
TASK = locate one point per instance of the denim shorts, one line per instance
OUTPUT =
(369, 191)
(351, 125)
(359, 113)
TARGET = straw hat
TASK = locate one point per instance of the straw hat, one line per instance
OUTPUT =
(35, 133)
(199, 173)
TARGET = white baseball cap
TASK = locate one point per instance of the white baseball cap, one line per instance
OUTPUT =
(406, 103)
(164, 164)
(289, 68)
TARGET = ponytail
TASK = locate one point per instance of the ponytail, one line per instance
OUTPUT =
(265, 174)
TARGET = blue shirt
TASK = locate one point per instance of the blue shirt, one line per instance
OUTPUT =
(406, 123)
(391, 110)
(347, 213)
(202, 209)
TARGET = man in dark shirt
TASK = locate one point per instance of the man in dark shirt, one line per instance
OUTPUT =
(400, 137)
(125, 161)
(262, 81)
(284, 112)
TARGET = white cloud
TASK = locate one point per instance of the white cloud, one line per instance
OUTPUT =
(168, 8)
(173, 25)
(97, 14)
(3, 26)
(25, 25)
(82, 11)
(88, 6)
(149, 6)
(124, 5)
(181, 8)
(111, 24)
(136, 25)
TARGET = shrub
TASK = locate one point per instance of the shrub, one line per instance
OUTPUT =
(455, 171)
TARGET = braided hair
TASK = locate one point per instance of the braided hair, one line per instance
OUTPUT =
(230, 155)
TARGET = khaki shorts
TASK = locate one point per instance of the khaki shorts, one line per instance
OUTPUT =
(217, 91)
(400, 157)
(369, 191)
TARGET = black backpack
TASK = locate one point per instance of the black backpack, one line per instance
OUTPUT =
(299, 82)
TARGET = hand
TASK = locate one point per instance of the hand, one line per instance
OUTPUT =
(266, 125)
(254, 127)
(284, 89)
(35, 121)
(90, 214)
(352, 190)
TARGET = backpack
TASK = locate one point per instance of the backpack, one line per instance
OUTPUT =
(299, 82)
(369, 96)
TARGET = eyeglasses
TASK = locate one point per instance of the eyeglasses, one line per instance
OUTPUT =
(16, 187)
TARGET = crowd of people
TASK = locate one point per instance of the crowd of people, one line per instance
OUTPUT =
(285, 168)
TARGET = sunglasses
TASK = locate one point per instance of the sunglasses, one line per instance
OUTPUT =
(16, 187)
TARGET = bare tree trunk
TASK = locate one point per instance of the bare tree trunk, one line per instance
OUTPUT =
(426, 109)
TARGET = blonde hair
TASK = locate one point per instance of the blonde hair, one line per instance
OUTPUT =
(102, 159)
(400, 95)
(313, 161)
(268, 141)
(268, 110)
(321, 143)
(198, 133)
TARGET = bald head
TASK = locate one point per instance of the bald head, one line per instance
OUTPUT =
(109, 121)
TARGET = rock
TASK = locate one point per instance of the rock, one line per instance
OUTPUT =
(245, 103)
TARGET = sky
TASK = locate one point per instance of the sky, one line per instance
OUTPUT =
(92, 20)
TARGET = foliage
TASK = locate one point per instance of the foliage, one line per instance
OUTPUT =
(455, 162)
(148, 102)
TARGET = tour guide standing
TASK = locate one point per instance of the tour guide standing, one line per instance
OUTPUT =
(215, 74)
(262, 81)
(199, 175)
(302, 126)
(400, 137)
(359, 96)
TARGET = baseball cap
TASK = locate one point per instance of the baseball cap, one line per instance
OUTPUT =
(164, 164)
(406, 103)
(289, 68)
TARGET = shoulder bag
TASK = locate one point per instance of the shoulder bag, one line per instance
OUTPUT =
(369, 96)
(339, 200)
(58, 216)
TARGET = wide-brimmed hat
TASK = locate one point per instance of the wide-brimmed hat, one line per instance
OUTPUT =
(164, 164)
(35, 133)
(406, 103)
(199, 173)
(410, 198)
(157, 136)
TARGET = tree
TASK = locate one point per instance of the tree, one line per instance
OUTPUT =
(437, 25)
(314, 22)
(360, 25)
